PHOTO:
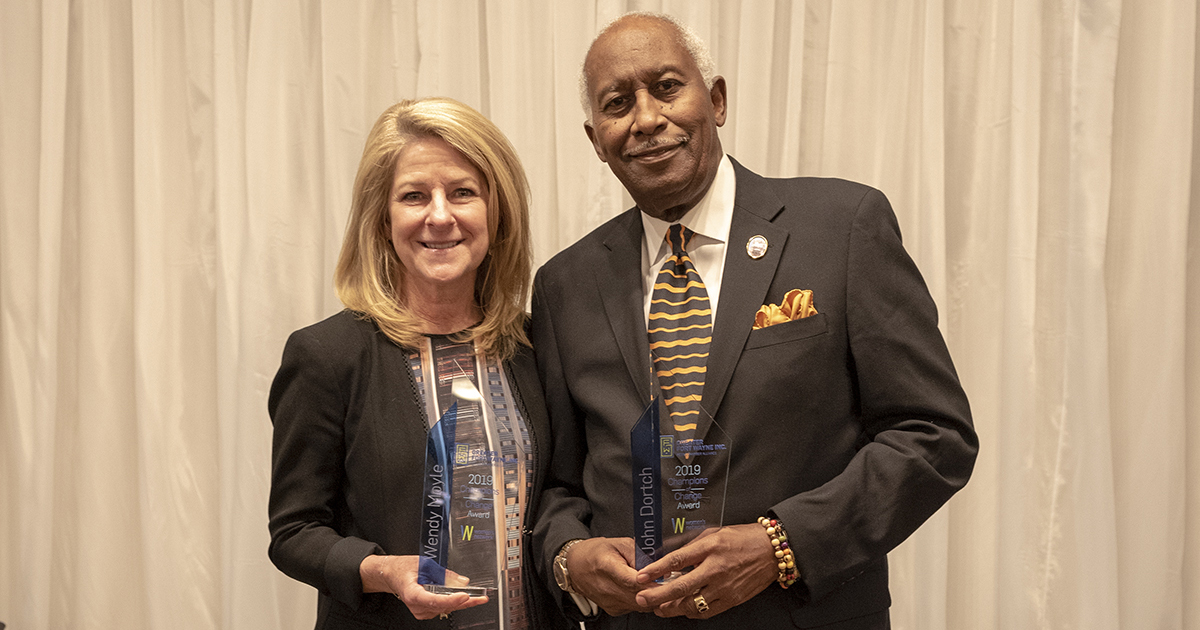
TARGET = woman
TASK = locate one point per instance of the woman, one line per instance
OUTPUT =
(434, 273)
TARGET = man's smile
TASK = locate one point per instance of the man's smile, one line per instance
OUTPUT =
(652, 150)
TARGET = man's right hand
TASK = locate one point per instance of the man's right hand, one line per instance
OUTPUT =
(602, 570)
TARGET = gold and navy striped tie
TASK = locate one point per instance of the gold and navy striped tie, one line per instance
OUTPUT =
(680, 332)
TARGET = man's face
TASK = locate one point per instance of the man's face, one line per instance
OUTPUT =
(653, 120)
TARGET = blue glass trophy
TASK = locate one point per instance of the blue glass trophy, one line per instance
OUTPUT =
(679, 479)
(474, 485)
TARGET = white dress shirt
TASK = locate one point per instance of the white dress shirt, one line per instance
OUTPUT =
(709, 219)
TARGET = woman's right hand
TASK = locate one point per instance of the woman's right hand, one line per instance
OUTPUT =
(398, 575)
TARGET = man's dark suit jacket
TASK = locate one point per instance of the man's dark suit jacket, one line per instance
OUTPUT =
(347, 467)
(850, 425)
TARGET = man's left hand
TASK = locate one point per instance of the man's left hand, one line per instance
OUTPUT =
(732, 564)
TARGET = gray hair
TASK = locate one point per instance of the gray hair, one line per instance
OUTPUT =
(687, 37)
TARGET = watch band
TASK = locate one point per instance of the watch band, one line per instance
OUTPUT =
(561, 575)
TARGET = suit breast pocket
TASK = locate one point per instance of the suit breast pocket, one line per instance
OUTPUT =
(794, 330)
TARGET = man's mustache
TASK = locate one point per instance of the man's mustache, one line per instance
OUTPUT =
(655, 143)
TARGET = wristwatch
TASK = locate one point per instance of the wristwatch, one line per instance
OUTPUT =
(560, 566)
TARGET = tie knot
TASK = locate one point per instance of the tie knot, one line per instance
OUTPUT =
(678, 237)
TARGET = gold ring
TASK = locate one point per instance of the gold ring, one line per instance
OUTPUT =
(701, 604)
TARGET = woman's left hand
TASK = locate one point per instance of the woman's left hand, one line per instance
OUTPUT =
(398, 575)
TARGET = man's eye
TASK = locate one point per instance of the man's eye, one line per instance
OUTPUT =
(668, 85)
(615, 103)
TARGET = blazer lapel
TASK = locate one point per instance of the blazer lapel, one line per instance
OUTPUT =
(618, 276)
(744, 284)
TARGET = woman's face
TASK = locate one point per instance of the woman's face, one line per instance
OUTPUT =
(438, 212)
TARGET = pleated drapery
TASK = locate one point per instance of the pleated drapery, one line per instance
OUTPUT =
(175, 177)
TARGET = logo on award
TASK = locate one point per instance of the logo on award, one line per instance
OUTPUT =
(666, 446)
(462, 454)
(467, 532)
(678, 525)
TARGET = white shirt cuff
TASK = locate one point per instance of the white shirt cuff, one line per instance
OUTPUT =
(586, 606)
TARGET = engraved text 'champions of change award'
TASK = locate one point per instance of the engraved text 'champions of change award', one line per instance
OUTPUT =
(678, 484)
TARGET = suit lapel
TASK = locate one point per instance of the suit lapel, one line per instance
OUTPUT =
(618, 276)
(744, 283)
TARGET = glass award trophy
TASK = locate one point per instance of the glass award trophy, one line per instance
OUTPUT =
(471, 518)
(678, 481)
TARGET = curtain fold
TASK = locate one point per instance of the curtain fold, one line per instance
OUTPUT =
(175, 178)
(1152, 166)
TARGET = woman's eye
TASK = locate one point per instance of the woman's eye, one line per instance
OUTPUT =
(411, 196)
(464, 192)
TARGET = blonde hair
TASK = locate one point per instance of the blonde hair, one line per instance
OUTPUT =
(370, 278)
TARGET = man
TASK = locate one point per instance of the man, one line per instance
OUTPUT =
(848, 426)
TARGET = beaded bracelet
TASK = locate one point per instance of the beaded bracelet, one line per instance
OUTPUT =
(783, 552)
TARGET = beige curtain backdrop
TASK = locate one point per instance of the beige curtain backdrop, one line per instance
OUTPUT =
(175, 175)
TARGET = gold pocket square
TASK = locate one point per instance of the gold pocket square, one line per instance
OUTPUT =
(797, 304)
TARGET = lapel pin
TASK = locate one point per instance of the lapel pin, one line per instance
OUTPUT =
(756, 246)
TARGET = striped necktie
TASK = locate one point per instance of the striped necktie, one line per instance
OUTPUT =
(680, 330)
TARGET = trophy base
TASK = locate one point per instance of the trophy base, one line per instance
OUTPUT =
(473, 591)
